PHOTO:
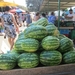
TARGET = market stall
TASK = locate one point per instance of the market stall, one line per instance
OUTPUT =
(53, 5)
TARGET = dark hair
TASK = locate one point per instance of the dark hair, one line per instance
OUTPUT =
(7, 8)
(43, 14)
(37, 13)
(70, 10)
(52, 13)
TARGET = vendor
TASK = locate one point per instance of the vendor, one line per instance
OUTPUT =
(69, 17)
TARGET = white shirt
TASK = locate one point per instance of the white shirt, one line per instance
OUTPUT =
(70, 15)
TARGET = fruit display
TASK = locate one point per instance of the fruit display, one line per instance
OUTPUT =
(39, 44)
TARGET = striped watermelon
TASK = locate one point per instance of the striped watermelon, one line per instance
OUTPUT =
(69, 57)
(8, 61)
(50, 43)
(61, 36)
(30, 45)
(17, 46)
(35, 32)
(28, 60)
(42, 21)
(66, 45)
(50, 58)
(51, 29)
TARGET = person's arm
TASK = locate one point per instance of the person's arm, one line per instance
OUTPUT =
(68, 17)
(2, 21)
(16, 26)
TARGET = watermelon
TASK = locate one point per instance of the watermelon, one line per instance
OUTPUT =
(42, 21)
(52, 30)
(50, 43)
(31, 24)
(30, 45)
(8, 61)
(50, 58)
(69, 57)
(35, 32)
(21, 36)
(14, 54)
(66, 45)
(28, 60)
(50, 23)
(17, 46)
(61, 36)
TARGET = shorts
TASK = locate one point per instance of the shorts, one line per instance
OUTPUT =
(10, 31)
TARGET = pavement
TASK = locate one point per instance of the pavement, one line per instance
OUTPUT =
(4, 45)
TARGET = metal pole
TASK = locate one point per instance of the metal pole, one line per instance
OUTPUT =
(58, 14)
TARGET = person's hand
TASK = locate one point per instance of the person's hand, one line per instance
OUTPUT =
(17, 30)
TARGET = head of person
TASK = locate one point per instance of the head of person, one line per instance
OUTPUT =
(43, 15)
(70, 11)
(27, 12)
(37, 15)
(7, 8)
(52, 13)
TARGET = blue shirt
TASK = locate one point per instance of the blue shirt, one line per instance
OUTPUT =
(51, 19)
(28, 19)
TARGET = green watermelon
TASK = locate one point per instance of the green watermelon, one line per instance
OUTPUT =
(14, 54)
(17, 46)
(28, 60)
(52, 30)
(50, 23)
(61, 36)
(8, 61)
(50, 58)
(31, 24)
(30, 45)
(35, 32)
(42, 21)
(69, 57)
(21, 36)
(50, 43)
(66, 45)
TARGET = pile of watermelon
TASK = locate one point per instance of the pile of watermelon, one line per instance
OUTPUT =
(40, 44)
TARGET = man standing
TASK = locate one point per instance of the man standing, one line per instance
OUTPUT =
(28, 18)
(52, 18)
(69, 17)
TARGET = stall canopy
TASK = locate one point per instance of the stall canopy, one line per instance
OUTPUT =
(52, 5)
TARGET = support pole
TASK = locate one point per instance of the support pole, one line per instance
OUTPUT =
(58, 14)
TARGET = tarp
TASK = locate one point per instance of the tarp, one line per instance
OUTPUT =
(18, 10)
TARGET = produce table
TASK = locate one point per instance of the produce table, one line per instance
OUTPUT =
(66, 27)
(68, 69)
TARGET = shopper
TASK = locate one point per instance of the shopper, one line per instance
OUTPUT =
(28, 18)
(37, 16)
(52, 18)
(10, 26)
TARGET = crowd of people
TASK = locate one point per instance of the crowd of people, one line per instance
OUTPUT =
(10, 23)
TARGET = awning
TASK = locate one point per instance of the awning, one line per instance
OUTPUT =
(52, 5)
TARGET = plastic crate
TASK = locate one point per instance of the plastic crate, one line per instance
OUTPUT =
(64, 31)
(72, 34)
